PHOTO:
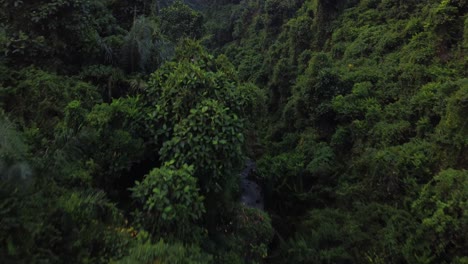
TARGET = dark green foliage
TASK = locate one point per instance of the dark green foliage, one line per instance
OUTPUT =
(30, 85)
(365, 109)
(140, 50)
(180, 21)
(37, 100)
(180, 87)
(441, 210)
(77, 225)
(170, 200)
(211, 139)
(254, 231)
(122, 137)
(143, 251)
(39, 30)
(12, 144)
(277, 11)
(312, 92)
(85, 122)
(249, 234)
(197, 115)
(454, 121)
(321, 240)
(116, 134)
(126, 11)
(111, 81)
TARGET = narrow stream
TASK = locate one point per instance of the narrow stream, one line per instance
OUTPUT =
(251, 192)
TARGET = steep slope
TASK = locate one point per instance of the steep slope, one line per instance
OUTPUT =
(367, 113)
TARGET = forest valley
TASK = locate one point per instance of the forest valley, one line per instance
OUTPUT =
(125, 127)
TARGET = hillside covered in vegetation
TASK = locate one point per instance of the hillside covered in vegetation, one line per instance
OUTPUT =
(127, 129)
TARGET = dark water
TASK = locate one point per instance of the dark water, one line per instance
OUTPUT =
(251, 193)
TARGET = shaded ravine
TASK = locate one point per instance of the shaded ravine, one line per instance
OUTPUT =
(251, 193)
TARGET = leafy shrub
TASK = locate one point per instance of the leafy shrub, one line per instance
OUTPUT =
(112, 130)
(210, 138)
(170, 200)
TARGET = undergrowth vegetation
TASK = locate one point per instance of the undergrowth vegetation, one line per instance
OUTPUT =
(124, 127)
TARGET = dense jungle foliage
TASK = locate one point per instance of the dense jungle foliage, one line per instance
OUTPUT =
(124, 127)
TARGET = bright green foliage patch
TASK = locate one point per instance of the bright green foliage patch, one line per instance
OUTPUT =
(171, 201)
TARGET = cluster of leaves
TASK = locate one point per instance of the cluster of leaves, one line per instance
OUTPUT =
(171, 201)
(197, 116)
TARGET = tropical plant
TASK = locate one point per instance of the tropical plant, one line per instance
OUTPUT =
(170, 200)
